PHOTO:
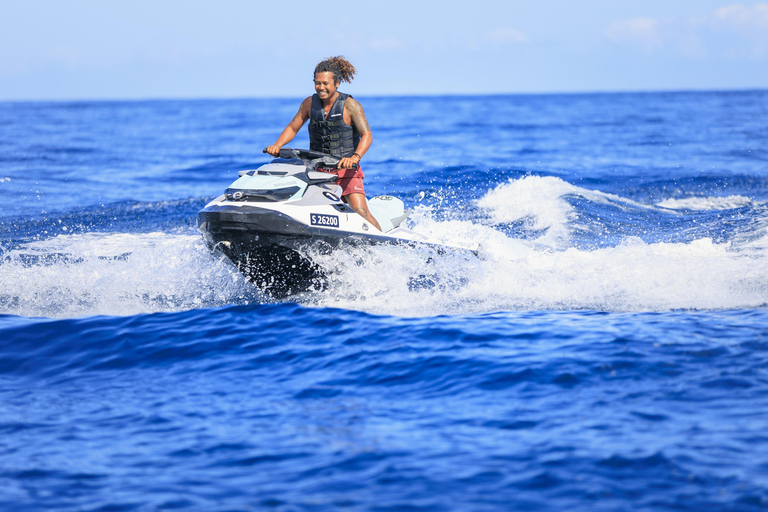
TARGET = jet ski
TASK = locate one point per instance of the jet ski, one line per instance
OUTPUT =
(269, 218)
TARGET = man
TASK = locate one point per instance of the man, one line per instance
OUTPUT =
(337, 126)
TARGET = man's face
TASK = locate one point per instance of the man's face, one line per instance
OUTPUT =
(325, 87)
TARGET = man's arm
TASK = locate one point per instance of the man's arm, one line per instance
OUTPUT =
(292, 129)
(357, 119)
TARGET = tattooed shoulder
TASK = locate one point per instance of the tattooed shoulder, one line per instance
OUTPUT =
(357, 115)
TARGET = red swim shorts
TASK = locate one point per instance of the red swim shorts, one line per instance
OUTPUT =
(350, 180)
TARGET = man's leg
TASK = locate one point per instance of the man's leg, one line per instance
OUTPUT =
(360, 205)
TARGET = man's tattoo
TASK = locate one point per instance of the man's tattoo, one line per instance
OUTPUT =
(357, 116)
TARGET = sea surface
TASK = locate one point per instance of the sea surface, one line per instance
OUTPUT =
(605, 349)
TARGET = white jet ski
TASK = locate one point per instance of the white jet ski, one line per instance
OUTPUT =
(270, 216)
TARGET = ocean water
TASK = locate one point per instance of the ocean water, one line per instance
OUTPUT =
(605, 349)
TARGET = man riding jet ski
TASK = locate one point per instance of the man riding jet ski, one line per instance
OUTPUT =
(337, 126)
(270, 214)
(271, 217)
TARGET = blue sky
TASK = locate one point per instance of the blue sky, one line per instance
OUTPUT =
(117, 49)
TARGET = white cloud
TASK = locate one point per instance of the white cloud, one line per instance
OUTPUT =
(740, 16)
(505, 36)
(747, 25)
(641, 30)
(736, 31)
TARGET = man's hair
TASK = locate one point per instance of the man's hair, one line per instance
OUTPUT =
(342, 70)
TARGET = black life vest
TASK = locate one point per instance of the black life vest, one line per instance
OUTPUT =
(331, 134)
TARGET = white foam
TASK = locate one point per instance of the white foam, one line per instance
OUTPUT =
(541, 203)
(537, 201)
(124, 274)
(707, 203)
(115, 274)
(510, 275)
(547, 273)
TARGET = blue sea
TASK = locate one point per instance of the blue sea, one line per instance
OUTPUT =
(605, 348)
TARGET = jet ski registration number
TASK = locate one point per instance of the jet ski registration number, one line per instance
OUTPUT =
(318, 219)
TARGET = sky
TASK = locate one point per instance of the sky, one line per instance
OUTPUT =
(145, 49)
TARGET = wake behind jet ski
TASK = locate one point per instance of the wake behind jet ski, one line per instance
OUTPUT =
(270, 216)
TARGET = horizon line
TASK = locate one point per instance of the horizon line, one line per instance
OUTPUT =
(398, 95)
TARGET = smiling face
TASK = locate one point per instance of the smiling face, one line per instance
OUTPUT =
(325, 85)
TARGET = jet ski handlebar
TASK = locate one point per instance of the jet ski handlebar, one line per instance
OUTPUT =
(313, 159)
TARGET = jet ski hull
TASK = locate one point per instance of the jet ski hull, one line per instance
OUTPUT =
(271, 248)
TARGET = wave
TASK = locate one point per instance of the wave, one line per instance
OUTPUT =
(708, 203)
(574, 249)
(433, 351)
(510, 275)
(116, 274)
(705, 266)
